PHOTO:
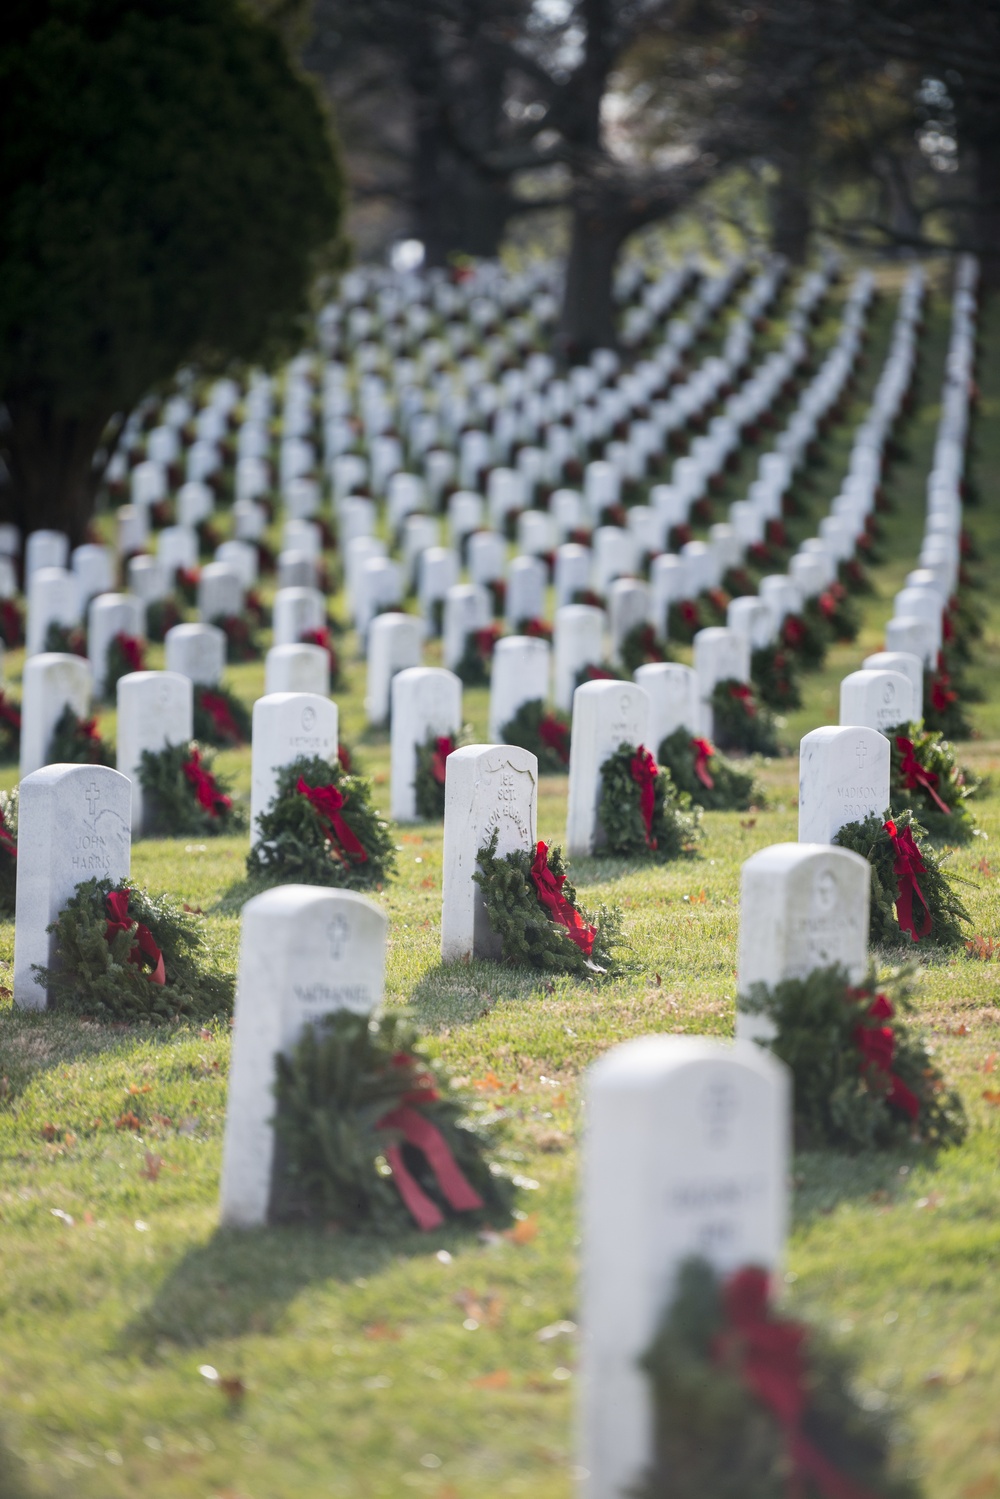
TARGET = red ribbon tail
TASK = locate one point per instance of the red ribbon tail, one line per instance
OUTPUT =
(417, 1130)
(928, 787)
(424, 1213)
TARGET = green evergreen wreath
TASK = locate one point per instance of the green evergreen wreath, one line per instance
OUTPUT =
(774, 673)
(161, 616)
(8, 851)
(185, 797)
(872, 841)
(675, 825)
(428, 780)
(12, 624)
(733, 790)
(545, 732)
(67, 640)
(837, 610)
(925, 772)
(599, 671)
(684, 619)
(944, 710)
(642, 646)
(827, 1033)
(10, 730)
(714, 1437)
(476, 662)
(220, 717)
(240, 631)
(345, 1075)
(294, 841)
(530, 937)
(126, 654)
(108, 979)
(808, 636)
(740, 722)
(75, 741)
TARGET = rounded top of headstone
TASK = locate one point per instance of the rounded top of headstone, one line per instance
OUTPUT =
(633, 693)
(648, 1060)
(290, 900)
(193, 631)
(829, 732)
(780, 858)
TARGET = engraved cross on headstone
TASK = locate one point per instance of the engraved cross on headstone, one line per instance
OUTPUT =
(93, 797)
(861, 750)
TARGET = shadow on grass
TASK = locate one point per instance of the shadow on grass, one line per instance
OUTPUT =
(33, 1042)
(240, 1282)
(452, 994)
(826, 1179)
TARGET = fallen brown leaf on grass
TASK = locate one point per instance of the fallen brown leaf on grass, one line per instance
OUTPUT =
(749, 822)
(992, 1097)
(193, 910)
(128, 1121)
(486, 1308)
(381, 1331)
(49, 1131)
(151, 1166)
(989, 1064)
(525, 1230)
(984, 869)
(983, 948)
(488, 1084)
(498, 1380)
(428, 882)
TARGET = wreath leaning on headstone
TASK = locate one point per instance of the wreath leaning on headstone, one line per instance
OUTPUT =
(429, 776)
(185, 797)
(774, 674)
(66, 640)
(534, 911)
(122, 954)
(321, 829)
(907, 876)
(240, 631)
(544, 732)
(748, 1404)
(944, 710)
(10, 729)
(710, 780)
(863, 1075)
(641, 647)
(75, 741)
(641, 810)
(925, 771)
(740, 722)
(220, 717)
(8, 851)
(126, 653)
(161, 616)
(368, 1138)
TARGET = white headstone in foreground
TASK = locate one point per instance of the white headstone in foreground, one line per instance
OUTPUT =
(802, 906)
(910, 665)
(843, 777)
(304, 953)
(52, 682)
(73, 825)
(286, 727)
(394, 643)
(605, 715)
(673, 699)
(720, 655)
(425, 700)
(687, 1153)
(196, 651)
(155, 709)
(879, 699)
(297, 668)
(486, 787)
(520, 675)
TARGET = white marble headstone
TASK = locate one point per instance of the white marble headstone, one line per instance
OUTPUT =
(910, 665)
(605, 715)
(111, 614)
(304, 954)
(879, 699)
(155, 709)
(673, 699)
(196, 651)
(520, 674)
(395, 642)
(425, 700)
(286, 727)
(486, 787)
(51, 683)
(843, 777)
(577, 642)
(297, 668)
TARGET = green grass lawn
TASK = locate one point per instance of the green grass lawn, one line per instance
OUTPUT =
(436, 1363)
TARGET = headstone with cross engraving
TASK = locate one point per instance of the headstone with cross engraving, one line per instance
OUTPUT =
(880, 699)
(843, 777)
(605, 715)
(51, 683)
(802, 906)
(486, 787)
(155, 709)
(426, 702)
(687, 1154)
(74, 824)
(304, 954)
(286, 727)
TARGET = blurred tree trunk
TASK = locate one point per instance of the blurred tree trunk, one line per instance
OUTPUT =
(51, 461)
(791, 209)
(587, 320)
(987, 222)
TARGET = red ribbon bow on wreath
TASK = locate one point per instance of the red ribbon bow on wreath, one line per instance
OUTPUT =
(549, 887)
(793, 631)
(145, 944)
(703, 752)
(221, 715)
(131, 650)
(914, 774)
(688, 611)
(443, 747)
(326, 802)
(7, 839)
(555, 736)
(942, 694)
(206, 787)
(322, 638)
(644, 772)
(877, 1046)
(906, 866)
(419, 1132)
(744, 694)
(769, 1355)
